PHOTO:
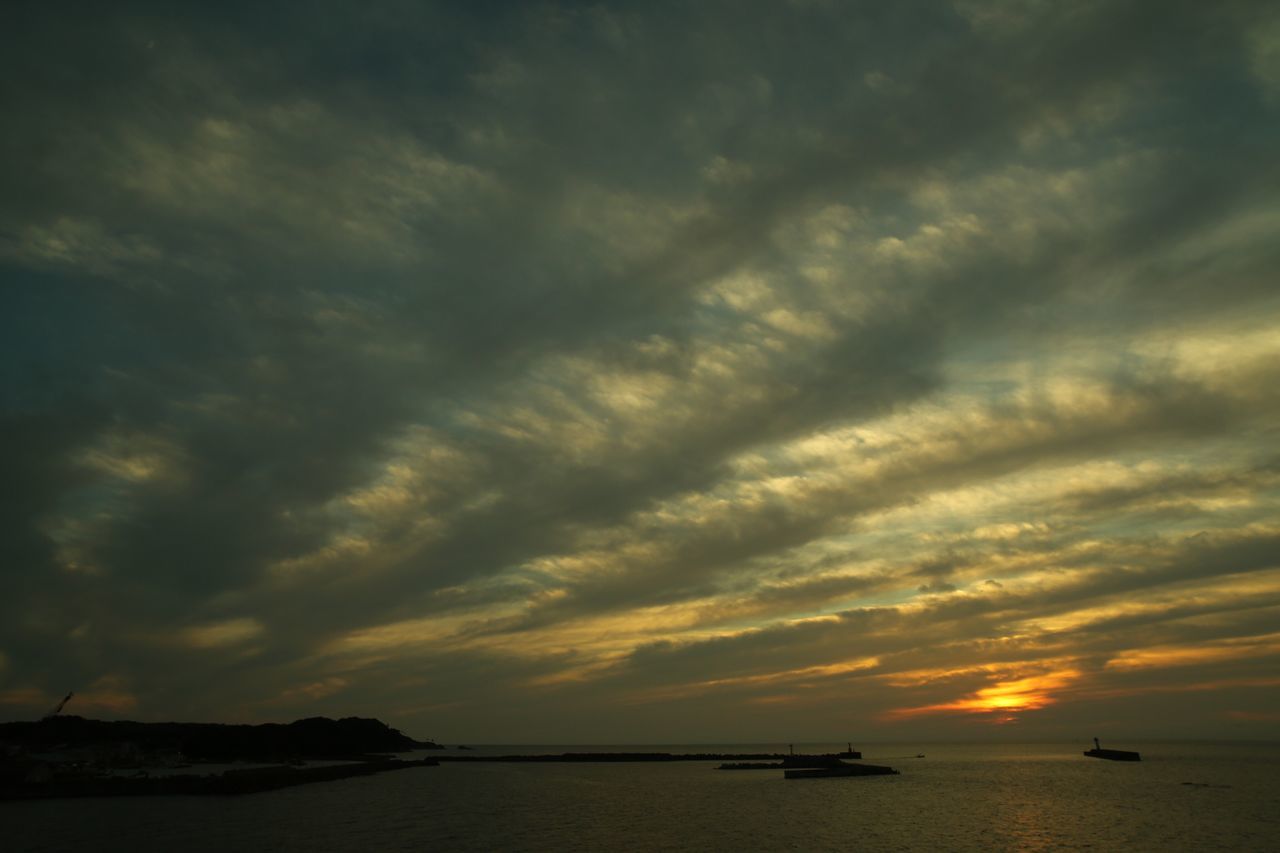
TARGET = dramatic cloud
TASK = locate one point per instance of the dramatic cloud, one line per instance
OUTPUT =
(628, 372)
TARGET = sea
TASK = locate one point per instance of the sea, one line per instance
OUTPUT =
(957, 797)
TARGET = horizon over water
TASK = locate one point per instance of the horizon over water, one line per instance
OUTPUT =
(960, 796)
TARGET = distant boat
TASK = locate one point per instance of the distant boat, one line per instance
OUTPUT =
(850, 752)
(1111, 754)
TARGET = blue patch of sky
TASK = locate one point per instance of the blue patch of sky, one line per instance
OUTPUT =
(56, 335)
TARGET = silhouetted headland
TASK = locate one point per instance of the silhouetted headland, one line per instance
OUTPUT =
(1111, 754)
(73, 757)
(314, 737)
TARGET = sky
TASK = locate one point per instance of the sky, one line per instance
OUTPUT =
(650, 372)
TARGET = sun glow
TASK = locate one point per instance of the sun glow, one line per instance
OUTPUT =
(1003, 700)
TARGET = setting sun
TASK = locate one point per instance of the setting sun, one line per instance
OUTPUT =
(1004, 699)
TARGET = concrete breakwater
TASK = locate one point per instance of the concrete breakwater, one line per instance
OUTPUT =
(232, 782)
(837, 770)
(788, 760)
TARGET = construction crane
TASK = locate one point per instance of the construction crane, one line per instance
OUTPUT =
(58, 710)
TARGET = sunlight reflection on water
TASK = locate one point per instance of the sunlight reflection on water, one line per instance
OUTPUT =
(960, 797)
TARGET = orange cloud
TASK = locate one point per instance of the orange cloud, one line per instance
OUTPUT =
(29, 697)
(106, 694)
(1167, 656)
(801, 674)
(1193, 687)
(310, 692)
(1255, 716)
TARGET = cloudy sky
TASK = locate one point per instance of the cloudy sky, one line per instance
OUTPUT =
(644, 372)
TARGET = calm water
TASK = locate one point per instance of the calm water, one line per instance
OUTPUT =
(959, 797)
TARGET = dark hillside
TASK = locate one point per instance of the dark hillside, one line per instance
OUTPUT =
(314, 737)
